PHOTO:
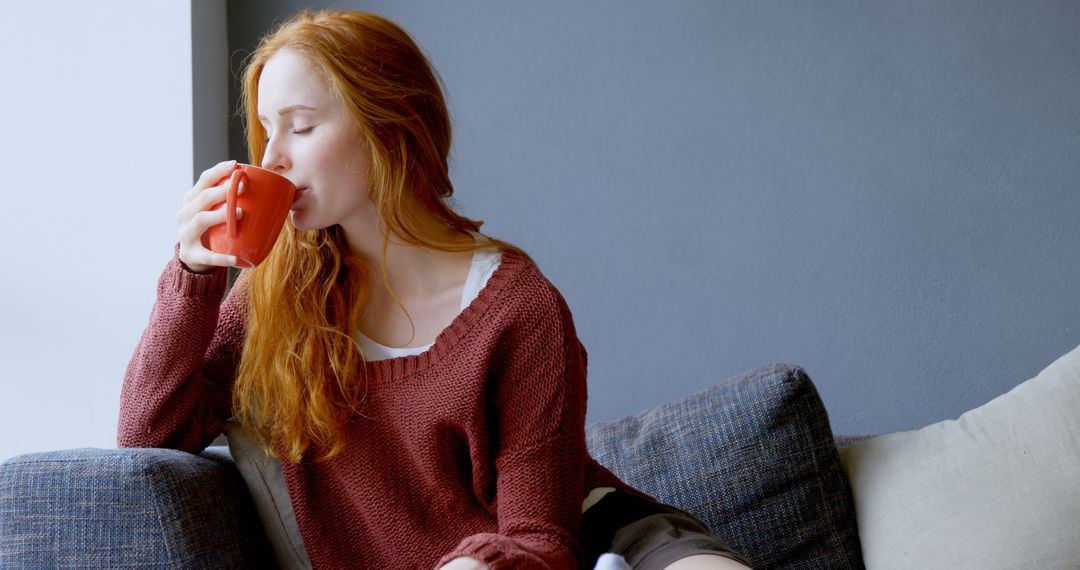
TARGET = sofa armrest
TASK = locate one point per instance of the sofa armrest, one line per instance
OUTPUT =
(110, 508)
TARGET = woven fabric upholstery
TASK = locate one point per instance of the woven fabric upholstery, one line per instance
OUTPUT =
(126, 508)
(754, 458)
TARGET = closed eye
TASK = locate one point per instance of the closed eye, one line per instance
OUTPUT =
(304, 131)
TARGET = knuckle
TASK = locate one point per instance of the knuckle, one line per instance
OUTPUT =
(184, 215)
(186, 238)
(211, 174)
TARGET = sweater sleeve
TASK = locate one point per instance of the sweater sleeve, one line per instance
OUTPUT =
(177, 388)
(538, 426)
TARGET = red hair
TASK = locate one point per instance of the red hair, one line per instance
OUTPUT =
(301, 374)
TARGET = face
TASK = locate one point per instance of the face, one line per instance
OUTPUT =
(315, 143)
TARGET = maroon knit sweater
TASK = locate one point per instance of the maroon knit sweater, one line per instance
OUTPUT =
(475, 447)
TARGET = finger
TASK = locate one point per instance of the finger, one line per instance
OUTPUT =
(192, 231)
(198, 189)
(189, 212)
(209, 218)
(203, 200)
(201, 187)
(201, 255)
(196, 203)
(212, 197)
(194, 234)
(214, 173)
(217, 172)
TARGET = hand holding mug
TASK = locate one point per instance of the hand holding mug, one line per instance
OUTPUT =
(259, 196)
(196, 216)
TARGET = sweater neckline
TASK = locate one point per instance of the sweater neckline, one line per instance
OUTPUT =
(402, 366)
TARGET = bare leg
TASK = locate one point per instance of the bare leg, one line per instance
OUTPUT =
(706, 562)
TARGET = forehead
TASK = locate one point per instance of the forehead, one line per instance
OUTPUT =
(288, 79)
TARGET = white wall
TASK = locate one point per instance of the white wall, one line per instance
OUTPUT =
(97, 151)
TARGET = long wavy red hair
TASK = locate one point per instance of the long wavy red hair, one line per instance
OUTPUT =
(301, 374)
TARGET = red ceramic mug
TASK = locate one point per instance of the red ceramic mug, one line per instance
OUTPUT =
(266, 201)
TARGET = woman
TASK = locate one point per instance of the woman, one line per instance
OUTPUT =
(422, 383)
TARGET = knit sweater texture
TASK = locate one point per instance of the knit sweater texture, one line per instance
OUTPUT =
(475, 447)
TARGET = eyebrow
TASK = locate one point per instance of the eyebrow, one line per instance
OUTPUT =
(286, 110)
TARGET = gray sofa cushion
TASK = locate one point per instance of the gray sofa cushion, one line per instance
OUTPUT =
(126, 508)
(754, 458)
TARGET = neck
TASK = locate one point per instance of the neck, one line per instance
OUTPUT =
(410, 269)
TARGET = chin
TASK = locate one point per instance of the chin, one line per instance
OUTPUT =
(298, 222)
(302, 223)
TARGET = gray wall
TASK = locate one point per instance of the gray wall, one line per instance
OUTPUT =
(210, 83)
(884, 193)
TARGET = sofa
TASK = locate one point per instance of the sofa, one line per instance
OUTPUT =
(753, 456)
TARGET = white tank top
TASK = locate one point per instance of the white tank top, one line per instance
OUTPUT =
(484, 262)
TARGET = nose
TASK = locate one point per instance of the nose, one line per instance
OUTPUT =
(274, 157)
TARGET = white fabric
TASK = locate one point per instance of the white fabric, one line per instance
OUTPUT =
(998, 488)
(484, 263)
(594, 497)
(611, 562)
(266, 484)
(374, 351)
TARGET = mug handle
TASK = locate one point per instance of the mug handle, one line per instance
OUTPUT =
(230, 201)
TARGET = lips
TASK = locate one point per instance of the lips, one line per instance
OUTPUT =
(299, 194)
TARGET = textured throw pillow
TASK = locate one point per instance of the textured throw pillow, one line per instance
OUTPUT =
(997, 488)
(754, 458)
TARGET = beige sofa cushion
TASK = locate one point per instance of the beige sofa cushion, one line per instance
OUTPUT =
(997, 488)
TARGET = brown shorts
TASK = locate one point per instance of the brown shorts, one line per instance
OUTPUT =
(647, 534)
